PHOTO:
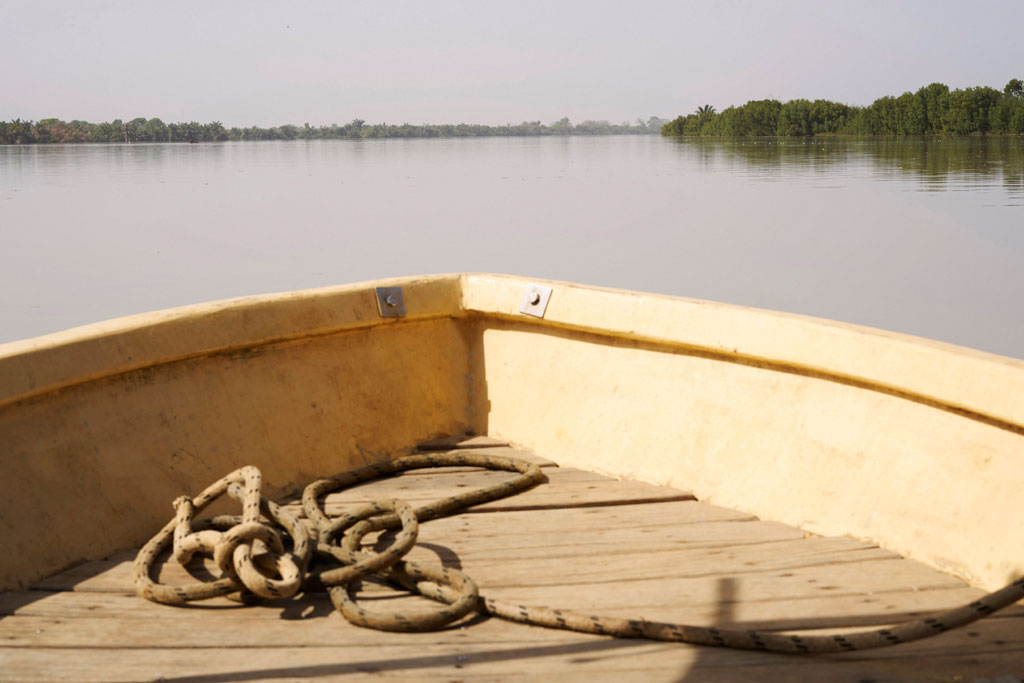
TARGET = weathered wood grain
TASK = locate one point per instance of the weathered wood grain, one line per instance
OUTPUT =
(580, 542)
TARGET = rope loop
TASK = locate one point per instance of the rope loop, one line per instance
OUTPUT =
(459, 593)
(241, 546)
(359, 563)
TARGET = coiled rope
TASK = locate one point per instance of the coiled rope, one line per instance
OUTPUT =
(254, 560)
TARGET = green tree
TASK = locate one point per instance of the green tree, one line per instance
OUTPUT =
(935, 97)
(968, 110)
(911, 118)
(1003, 115)
(104, 132)
(133, 130)
(731, 122)
(562, 126)
(22, 132)
(189, 132)
(154, 130)
(44, 131)
(288, 132)
(214, 132)
(762, 117)
(795, 118)
(1017, 119)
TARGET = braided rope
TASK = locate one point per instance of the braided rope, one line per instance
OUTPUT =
(232, 540)
(250, 552)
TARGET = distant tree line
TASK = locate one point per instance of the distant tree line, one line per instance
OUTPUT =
(154, 130)
(932, 110)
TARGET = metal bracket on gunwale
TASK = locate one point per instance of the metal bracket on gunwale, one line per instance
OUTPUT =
(390, 302)
(535, 300)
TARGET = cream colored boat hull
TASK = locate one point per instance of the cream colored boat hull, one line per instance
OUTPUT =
(913, 444)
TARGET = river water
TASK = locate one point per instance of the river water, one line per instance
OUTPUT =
(923, 237)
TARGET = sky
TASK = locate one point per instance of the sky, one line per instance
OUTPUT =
(263, 63)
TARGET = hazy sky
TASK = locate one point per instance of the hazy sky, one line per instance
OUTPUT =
(267, 63)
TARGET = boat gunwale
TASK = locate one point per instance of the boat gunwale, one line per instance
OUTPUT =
(975, 384)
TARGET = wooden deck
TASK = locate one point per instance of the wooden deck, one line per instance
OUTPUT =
(582, 542)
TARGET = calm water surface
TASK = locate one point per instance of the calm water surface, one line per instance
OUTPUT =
(913, 236)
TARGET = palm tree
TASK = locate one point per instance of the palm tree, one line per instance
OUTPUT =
(706, 110)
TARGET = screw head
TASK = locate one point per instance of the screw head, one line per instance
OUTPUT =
(535, 298)
(391, 300)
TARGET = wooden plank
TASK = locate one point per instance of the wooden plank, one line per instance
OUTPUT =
(759, 599)
(78, 604)
(604, 529)
(832, 609)
(229, 619)
(287, 620)
(580, 561)
(502, 451)
(808, 614)
(111, 574)
(608, 530)
(81, 619)
(566, 487)
(434, 483)
(485, 650)
(461, 441)
(590, 586)
(402, 662)
(735, 547)
(802, 594)
(623, 517)
(437, 481)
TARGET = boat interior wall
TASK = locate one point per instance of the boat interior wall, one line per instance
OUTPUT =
(913, 444)
(822, 455)
(92, 468)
